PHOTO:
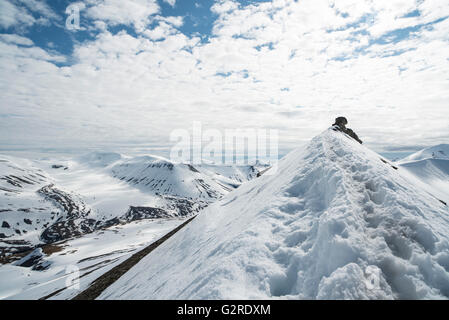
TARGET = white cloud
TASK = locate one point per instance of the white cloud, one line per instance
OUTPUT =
(224, 6)
(124, 88)
(175, 21)
(16, 39)
(11, 15)
(162, 31)
(13, 52)
(40, 7)
(116, 12)
(20, 13)
(166, 26)
(171, 2)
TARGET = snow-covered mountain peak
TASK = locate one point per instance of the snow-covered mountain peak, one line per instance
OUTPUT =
(335, 221)
(440, 151)
(17, 174)
(429, 168)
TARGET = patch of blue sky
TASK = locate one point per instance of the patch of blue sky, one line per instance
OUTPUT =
(197, 17)
(51, 36)
(224, 74)
(243, 73)
(411, 14)
(269, 45)
(363, 20)
(391, 37)
(396, 36)
(198, 21)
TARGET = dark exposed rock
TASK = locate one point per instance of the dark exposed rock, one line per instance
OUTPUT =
(140, 213)
(73, 223)
(11, 181)
(108, 223)
(14, 250)
(64, 200)
(386, 162)
(9, 190)
(26, 180)
(340, 125)
(192, 168)
(5, 225)
(174, 207)
(35, 260)
(41, 265)
(59, 166)
(30, 259)
(18, 181)
(261, 173)
(17, 242)
(182, 207)
(67, 229)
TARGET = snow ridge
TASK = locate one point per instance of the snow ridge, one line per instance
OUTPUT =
(440, 151)
(429, 168)
(332, 215)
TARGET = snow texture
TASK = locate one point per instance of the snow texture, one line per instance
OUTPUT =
(429, 168)
(440, 151)
(94, 211)
(334, 222)
(89, 257)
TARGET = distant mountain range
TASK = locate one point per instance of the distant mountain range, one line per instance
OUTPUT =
(334, 215)
(49, 201)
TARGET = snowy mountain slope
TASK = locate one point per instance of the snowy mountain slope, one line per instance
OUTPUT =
(334, 222)
(429, 168)
(34, 211)
(149, 186)
(431, 174)
(24, 213)
(161, 176)
(52, 200)
(440, 151)
(93, 212)
(232, 174)
(91, 255)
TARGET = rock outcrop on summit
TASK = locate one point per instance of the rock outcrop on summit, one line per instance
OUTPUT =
(340, 125)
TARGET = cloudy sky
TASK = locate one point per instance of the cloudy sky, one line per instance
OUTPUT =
(136, 70)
